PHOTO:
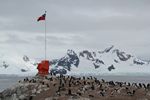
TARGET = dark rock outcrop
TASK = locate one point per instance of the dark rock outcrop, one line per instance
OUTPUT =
(88, 55)
(107, 50)
(110, 68)
(122, 55)
(26, 58)
(139, 62)
(5, 65)
(65, 63)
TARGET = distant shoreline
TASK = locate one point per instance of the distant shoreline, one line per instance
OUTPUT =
(83, 74)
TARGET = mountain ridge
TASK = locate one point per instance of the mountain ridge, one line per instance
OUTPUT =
(110, 60)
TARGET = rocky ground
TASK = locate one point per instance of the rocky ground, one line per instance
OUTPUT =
(73, 88)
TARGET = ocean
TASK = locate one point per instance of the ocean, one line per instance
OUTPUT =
(7, 81)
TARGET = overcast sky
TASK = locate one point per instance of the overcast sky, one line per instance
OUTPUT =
(75, 24)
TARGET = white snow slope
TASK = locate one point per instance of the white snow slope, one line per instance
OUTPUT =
(119, 63)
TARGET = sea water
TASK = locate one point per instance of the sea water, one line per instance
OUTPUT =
(7, 81)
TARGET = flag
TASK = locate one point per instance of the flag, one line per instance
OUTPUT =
(42, 17)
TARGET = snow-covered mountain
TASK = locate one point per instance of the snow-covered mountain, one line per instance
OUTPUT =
(107, 61)
(17, 65)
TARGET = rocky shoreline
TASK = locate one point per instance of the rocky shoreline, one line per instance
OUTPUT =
(75, 88)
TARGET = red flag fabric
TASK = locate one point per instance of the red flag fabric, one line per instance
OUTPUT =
(41, 17)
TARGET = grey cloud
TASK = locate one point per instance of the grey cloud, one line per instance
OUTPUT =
(77, 23)
(55, 41)
(65, 16)
(14, 39)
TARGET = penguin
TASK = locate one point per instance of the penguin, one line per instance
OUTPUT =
(69, 92)
(79, 93)
(91, 96)
(140, 85)
(30, 97)
(103, 80)
(93, 87)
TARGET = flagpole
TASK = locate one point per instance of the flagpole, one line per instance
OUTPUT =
(45, 36)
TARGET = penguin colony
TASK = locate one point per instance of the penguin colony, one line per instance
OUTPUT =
(61, 87)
